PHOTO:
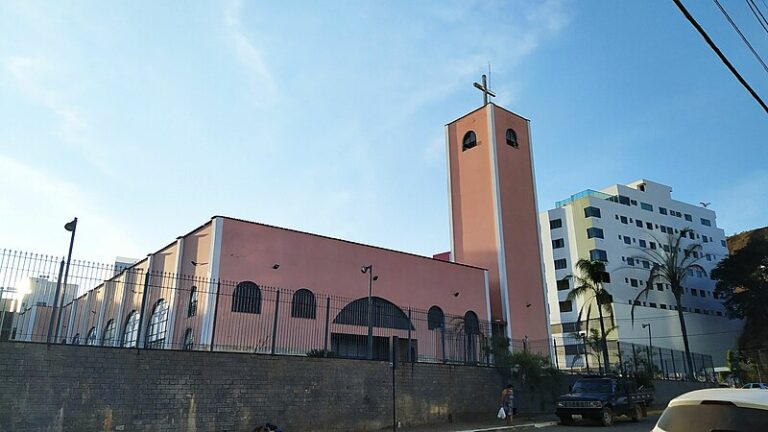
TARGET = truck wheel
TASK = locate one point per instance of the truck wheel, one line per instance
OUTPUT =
(637, 413)
(566, 420)
(606, 417)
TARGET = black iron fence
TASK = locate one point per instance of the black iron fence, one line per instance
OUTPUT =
(573, 353)
(131, 307)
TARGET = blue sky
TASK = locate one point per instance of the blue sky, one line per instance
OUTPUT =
(144, 119)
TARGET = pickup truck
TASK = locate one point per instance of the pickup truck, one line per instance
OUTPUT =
(603, 398)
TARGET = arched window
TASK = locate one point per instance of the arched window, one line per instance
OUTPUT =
(435, 318)
(385, 314)
(471, 324)
(247, 298)
(109, 333)
(192, 307)
(91, 338)
(76, 339)
(469, 141)
(189, 340)
(131, 330)
(303, 304)
(156, 326)
(512, 138)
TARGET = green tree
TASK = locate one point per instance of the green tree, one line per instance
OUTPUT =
(742, 284)
(594, 342)
(671, 264)
(591, 290)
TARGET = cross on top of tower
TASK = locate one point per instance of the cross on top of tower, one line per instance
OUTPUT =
(486, 91)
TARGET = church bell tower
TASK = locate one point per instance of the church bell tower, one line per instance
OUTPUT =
(494, 223)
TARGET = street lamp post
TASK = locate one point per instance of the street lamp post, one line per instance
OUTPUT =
(71, 227)
(369, 269)
(650, 345)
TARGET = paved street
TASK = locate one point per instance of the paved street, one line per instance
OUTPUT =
(621, 425)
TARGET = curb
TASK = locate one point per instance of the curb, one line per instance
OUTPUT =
(514, 427)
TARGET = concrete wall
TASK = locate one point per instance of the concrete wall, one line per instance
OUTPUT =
(76, 388)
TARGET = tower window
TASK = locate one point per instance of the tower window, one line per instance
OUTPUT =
(512, 138)
(469, 141)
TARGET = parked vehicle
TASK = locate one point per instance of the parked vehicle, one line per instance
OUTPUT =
(603, 398)
(716, 410)
(761, 386)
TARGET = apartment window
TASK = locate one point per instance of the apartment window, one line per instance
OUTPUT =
(131, 330)
(659, 286)
(598, 255)
(663, 306)
(688, 218)
(646, 206)
(662, 210)
(592, 212)
(247, 298)
(653, 305)
(719, 313)
(702, 293)
(705, 239)
(563, 284)
(469, 141)
(435, 318)
(649, 225)
(666, 248)
(646, 265)
(189, 340)
(192, 305)
(558, 243)
(623, 200)
(627, 240)
(595, 233)
(561, 264)
(664, 229)
(633, 202)
(555, 223)
(643, 243)
(706, 222)
(639, 223)
(109, 333)
(303, 304)
(722, 242)
(692, 236)
(566, 306)
(633, 283)
(694, 293)
(157, 325)
(512, 138)
(697, 310)
(624, 220)
(631, 261)
(652, 245)
(709, 257)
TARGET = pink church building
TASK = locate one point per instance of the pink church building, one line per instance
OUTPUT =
(227, 282)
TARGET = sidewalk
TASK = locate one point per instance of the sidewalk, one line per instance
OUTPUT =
(524, 422)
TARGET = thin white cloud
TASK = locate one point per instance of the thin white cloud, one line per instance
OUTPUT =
(247, 52)
(35, 205)
(30, 76)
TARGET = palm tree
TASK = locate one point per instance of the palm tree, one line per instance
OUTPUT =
(590, 289)
(671, 264)
(592, 342)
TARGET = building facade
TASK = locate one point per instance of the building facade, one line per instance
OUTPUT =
(615, 225)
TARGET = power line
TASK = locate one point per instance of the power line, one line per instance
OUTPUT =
(720, 54)
(743, 38)
(758, 14)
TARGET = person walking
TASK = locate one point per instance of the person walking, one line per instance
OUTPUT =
(508, 402)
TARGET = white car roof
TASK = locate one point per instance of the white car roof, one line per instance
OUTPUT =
(740, 397)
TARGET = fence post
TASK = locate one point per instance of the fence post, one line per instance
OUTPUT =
(442, 340)
(55, 303)
(661, 361)
(674, 366)
(274, 325)
(215, 313)
(327, 323)
(141, 312)
(554, 349)
(408, 356)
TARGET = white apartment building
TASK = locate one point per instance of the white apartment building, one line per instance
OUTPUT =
(614, 225)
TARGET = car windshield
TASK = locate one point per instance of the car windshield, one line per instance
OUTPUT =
(592, 386)
(708, 417)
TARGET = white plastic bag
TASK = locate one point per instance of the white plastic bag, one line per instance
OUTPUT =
(502, 414)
